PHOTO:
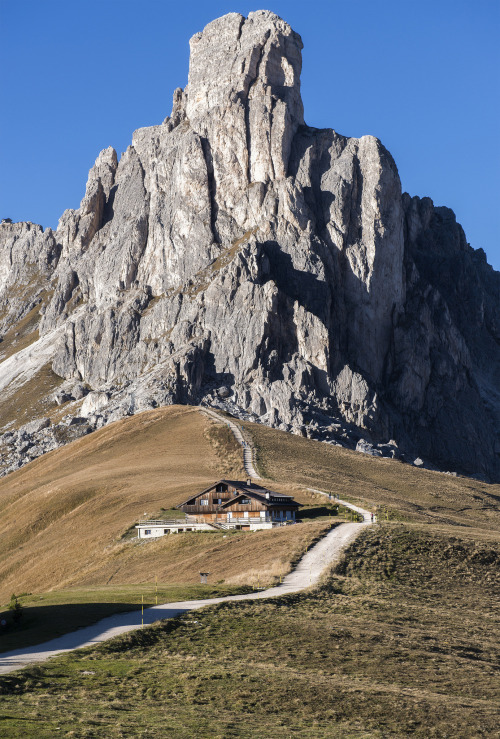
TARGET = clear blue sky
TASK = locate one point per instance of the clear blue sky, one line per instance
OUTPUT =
(422, 75)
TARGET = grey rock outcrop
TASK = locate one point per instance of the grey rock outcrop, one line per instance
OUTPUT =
(237, 257)
(28, 257)
(20, 446)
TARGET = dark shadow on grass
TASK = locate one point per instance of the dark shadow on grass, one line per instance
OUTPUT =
(41, 623)
(5, 717)
(307, 514)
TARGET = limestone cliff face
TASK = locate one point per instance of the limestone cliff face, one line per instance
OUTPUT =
(234, 255)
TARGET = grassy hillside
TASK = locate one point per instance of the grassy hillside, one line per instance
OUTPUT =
(401, 640)
(66, 518)
(407, 493)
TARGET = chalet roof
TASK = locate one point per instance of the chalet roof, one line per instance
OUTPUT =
(271, 502)
(255, 491)
(250, 488)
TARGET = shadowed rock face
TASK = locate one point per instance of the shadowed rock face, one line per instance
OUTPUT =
(233, 247)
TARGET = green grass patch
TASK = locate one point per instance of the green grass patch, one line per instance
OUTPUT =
(401, 640)
(318, 512)
(48, 615)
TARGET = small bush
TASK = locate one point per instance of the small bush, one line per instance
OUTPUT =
(16, 608)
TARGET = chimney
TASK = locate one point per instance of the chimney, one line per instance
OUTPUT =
(249, 482)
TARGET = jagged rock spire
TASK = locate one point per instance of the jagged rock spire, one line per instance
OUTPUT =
(243, 95)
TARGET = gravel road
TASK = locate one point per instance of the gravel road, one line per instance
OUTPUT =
(306, 574)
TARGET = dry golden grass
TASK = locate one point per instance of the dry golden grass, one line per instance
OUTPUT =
(21, 335)
(227, 450)
(409, 493)
(64, 516)
(238, 558)
(31, 400)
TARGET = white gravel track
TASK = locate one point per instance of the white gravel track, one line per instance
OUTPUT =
(367, 515)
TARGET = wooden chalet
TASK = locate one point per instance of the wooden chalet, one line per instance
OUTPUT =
(240, 505)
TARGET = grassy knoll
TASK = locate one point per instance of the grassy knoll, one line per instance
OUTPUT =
(66, 518)
(60, 611)
(406, 492)
(401, 640)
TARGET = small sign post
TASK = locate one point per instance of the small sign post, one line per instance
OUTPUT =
(204, 577)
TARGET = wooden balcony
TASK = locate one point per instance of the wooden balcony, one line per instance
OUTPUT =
(200, 508)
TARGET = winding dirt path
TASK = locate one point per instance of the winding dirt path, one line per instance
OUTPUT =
(307, 574)
(248, 457)
(368, 516)
(248, 451)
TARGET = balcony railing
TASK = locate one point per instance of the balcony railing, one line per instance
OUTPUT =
(257, 519)
(200, 508)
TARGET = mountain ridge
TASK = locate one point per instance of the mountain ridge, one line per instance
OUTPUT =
(237, 257)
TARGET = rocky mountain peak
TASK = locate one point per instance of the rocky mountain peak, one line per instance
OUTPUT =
(236, 257)
(244, 82)
(236, 59)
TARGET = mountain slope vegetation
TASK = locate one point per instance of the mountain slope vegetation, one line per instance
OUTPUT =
(401, 640)
(67, 518)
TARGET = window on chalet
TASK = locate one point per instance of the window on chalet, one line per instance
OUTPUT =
(147, 531)
(245, 501)
(203, 502)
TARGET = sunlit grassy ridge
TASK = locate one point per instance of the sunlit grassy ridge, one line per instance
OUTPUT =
(409, 493)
